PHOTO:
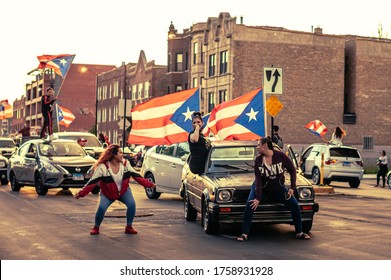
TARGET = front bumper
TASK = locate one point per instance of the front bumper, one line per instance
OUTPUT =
(271, 213)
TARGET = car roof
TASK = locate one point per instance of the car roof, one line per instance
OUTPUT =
(236, 143)
(73, 133)
(333, 145)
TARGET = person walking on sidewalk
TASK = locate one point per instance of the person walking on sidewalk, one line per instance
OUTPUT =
(382, 162)
(113, 173)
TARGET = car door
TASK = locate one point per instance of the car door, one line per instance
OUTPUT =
(163, 161)
(313, 159)
(30, 164)
(17, 162)
(176, 165)
(303, 160)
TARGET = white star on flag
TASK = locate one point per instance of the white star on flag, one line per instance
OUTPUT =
(252, 115)
(188, 114)
(63, 61)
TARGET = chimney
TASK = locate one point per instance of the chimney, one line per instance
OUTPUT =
(318, 30)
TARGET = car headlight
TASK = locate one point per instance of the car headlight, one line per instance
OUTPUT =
(2, 164)
(49, 167)
(306, 193)
(224, 195)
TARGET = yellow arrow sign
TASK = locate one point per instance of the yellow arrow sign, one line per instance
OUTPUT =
(273, 105)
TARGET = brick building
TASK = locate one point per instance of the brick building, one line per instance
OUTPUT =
(340, 80)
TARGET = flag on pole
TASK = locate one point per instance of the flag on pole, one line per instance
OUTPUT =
(317, 128)
(164, 120)
(6, 110)
(60, 63)
(240, 119)
(65, 116)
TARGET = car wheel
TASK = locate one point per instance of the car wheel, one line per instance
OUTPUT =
(208, 226)
(15, 186)
(151, 192)
(316, 176)
(95, 190)
(190, 211)
(354, 183)
(307, 226)
(4, 181)
(40, 188)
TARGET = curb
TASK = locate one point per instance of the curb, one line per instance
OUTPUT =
(323, 189)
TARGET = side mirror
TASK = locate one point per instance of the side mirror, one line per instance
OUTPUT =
(105, 145)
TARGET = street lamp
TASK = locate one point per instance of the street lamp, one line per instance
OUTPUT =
(84, 69)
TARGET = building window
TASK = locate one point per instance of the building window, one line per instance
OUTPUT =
(223, 62)
(195, 82)
(187, 61)
(116, 87)
(368, 143)
(211, 101)
(140, 90)
(195, 52)
(178, 88)
(179, 62)
(212, 65)
(134, 90)
(202, 54)
(146, 89)
(168, 62)
(223, 96)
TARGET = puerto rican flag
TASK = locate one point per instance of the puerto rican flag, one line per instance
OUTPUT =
(65, 116)
(164, 120)
(243, 118)
(317, 128)
(60, 63)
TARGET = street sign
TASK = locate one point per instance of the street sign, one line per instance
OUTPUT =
(273, 105)
(272, 80)
(121, 123)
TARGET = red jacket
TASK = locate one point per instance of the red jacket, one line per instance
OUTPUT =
(106, 182)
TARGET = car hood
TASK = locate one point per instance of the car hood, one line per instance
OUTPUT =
(238, 180)
(235, 180)
(72, 160)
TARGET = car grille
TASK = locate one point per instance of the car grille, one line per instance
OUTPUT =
(71, 169)
(240, 196)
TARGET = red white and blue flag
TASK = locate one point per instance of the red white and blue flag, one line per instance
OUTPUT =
(60, 63)
(240, 119)
(65, 116)
(164, 120)
(317, 128)
(6, 110)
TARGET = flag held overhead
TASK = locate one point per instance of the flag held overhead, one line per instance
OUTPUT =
(59, 63)
(317, 128)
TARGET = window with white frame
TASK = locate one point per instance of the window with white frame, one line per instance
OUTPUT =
(140, 91)
(134, 91)
(116, 88)
(223, 62)
(195, 52)
(212, 65)
(146, 89)
(211, 101)
(195, 82)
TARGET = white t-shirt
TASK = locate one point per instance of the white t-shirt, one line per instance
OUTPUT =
(117, 177)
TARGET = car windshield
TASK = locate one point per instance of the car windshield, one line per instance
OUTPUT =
(61, 149)
(7, 143)
(92, 141)
(231, 159)
(344, 152)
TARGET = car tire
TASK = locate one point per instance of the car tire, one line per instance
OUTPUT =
(40, 188)
(354, 183)
(208, 226)
(316, 176)
(307, 226)
(4, 181)
(151, 192)
(189, 210)
(15, 186)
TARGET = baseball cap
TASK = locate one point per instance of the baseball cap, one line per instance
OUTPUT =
(81, 140)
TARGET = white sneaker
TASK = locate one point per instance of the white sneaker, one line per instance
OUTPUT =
(50, 138)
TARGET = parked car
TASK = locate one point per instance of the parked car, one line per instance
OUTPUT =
(3, 170)
(163, 166)
(340, 163)
(7, 147)
(136, 155)
(92, 145)
(44, 165)
(220, 193)
(388, 178)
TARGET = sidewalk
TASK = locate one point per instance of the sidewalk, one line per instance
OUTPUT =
(326, 189)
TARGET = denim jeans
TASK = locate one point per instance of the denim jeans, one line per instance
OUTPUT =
(279, 196)
(104, 203)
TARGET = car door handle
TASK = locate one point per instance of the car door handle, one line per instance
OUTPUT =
(173, 165)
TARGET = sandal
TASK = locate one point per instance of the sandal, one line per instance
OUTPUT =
(303, 236)
(242, 238)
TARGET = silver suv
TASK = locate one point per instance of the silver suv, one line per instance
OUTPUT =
(340, 163)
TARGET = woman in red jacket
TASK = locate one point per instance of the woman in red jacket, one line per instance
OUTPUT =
(113, 173)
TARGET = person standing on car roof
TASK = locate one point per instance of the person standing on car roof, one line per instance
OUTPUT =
(47, 101)
(113, 173)
(269, 171)
(382, 162)
(337, 136)
(198, 145)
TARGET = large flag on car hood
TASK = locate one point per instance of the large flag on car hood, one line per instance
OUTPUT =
(65, 116)
(240, 119)
(317, 128)
(164, 120)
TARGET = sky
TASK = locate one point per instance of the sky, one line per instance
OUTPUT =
(115, 31)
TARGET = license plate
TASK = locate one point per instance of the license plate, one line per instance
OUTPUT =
(345, 163)
(78, 177)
